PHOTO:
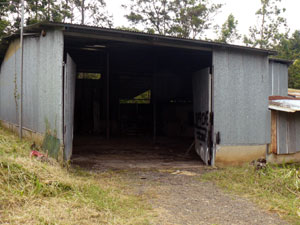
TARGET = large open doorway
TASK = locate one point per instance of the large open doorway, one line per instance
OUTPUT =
(136, 102)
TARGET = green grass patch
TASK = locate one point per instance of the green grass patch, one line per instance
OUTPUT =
(275, 188)
(35, 192)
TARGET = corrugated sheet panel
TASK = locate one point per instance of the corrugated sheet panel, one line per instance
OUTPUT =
(42, 88)
(240, 104)
(288, 129)
(9, 84)
(278, 73)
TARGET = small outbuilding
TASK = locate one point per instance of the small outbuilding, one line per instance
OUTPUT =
(96, 82)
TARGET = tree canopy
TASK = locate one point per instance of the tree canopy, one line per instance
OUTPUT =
(73, 11)
(271, 28)
(182, 18)
(228, 33)
(289, 48)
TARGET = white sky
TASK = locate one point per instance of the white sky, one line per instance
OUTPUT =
(243, 10)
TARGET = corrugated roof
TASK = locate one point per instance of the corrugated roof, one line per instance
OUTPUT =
(284, 104)
(134, 34)
(294, 93)
(283, 61)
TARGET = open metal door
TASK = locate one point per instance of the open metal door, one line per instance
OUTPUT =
(69, 102)
(202, 92)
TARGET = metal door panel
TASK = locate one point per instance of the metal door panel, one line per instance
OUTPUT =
(69, 101)
(202, 113)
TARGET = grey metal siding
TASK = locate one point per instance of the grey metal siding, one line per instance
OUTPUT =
(278, 73)
(288, 129)
(42, 88)
(240, 103)
(9, 88)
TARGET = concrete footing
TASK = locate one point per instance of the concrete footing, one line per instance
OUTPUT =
(238, 155)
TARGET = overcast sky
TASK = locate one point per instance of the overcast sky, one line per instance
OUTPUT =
(243, 10)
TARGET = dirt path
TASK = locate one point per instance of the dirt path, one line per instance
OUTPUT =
(171, 181)
(181, 197)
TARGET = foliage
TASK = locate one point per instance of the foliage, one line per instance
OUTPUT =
(152, 14)
(192, 17)
(228, 33)
(52, 10)
(289, 48)
(35, 192)
(268, 32)
(276, 188)
(143, 98)
(94, 10)
(294, 75)
(187, 18)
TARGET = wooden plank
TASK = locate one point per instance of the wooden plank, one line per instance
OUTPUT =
(273, 132)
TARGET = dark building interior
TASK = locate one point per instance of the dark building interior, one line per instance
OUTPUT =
(126, 90)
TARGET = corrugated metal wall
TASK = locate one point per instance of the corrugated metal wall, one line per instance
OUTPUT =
(9, 84)
(240, 104)
(288, 129)
(42, 88)
(278, 73)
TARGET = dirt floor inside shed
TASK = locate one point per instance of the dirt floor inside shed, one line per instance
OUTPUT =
(169, 180)
(133, 152)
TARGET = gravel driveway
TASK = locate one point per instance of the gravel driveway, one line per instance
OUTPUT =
(181, 197)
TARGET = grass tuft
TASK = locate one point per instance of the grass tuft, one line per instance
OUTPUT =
(275, 188)
(35, 192)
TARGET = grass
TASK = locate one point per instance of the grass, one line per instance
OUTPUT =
(35, 192)
(275, 188)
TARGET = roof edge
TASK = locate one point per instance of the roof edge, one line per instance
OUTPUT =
(66, 26)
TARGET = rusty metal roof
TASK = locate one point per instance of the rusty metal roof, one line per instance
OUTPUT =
(294, 93)
(284, 104)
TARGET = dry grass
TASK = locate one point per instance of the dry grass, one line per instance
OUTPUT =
(275, 188)
(34, 192)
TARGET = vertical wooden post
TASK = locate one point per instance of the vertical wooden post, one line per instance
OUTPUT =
(273, 132)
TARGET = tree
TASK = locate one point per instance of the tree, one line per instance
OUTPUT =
(192, 17)
(152, 14)
(3, 21)
(98, 14)
(184, 18)
(51, 10)
(92, 12)
(46, 10)
(228, 33)
(289, 48)
(268, 32)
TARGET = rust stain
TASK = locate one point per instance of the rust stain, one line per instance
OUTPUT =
(12, 49)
